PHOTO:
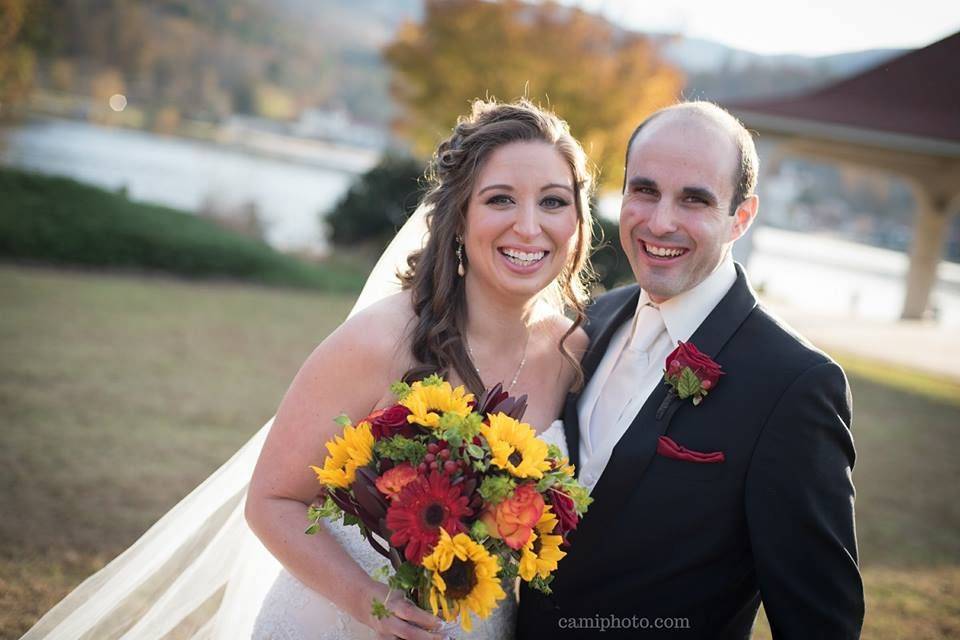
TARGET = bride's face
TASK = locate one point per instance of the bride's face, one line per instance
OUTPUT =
(521, 219)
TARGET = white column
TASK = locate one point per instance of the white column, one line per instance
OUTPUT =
(929, 237)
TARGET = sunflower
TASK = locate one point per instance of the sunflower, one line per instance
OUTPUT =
(347, 453)
(463, 579)
(515, 446)
(540, 555)
(422, 510)
(427, 402)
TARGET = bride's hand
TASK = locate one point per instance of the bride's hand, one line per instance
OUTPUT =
(408, 620)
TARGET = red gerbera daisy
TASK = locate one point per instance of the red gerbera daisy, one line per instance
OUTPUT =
(417, 514)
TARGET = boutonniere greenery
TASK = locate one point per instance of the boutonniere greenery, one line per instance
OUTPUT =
(690, 373)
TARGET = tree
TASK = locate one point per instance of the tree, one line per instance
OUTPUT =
(377, 203)
(17, 59)
(603, 80)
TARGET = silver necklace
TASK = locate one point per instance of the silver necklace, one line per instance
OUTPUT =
(516, 374)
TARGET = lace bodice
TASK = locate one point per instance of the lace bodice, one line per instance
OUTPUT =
(293, 611)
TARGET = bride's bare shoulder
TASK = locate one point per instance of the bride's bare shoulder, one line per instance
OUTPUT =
(352, 368)
(576, 343)
(389, 318)
(377, 333)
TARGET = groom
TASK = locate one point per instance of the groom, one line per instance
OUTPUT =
(701, 512)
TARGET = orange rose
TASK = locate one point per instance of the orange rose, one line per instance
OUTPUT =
(513, 519)
(392, 481)
(488, 518)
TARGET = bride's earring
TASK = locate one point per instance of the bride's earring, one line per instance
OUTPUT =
(460, 270)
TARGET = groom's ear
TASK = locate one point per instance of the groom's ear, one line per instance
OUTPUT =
(744, 216)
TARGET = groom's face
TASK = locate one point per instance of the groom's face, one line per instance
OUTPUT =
(675, 222)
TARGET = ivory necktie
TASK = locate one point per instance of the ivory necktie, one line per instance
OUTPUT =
(621, 385)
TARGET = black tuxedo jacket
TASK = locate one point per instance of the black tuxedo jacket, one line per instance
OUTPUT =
(671, 548)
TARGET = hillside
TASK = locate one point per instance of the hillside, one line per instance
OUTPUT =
(206, 61)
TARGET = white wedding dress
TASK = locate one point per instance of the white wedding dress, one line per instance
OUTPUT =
(292, 611)
(200, 573)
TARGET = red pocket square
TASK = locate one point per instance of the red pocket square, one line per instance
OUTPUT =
(670, 449)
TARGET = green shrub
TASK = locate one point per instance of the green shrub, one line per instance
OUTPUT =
(60, 221)
(377, 203)
(608, 259)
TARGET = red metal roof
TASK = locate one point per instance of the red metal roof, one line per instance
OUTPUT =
(916, 94)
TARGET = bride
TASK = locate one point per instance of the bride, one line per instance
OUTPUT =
(483, 299)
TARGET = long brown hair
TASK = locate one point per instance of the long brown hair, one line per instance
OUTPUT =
(438, 292)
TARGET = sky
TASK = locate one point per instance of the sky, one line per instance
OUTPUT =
(809, 28)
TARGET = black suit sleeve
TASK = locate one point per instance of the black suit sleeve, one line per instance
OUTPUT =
(799, 508)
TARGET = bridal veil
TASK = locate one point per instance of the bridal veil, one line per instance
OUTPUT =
(200, 572)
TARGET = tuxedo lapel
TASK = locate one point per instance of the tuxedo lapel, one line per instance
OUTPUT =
(571, 429)
(633, 453)
(726, 317)
(606, 327)
(599, 341)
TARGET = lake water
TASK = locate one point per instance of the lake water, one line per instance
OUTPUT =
(831, 276)
(186, 174)
(826, 275)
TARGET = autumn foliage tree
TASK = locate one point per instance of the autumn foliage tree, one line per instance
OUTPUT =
(602, 79)
(17, 60)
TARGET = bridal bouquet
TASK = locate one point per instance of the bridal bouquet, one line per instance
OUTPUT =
(459, 494)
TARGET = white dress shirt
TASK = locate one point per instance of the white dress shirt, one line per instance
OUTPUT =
(679, 317)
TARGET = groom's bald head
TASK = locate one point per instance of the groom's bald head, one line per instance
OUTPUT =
(747, 164)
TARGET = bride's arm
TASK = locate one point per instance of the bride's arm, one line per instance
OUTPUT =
(347, 373)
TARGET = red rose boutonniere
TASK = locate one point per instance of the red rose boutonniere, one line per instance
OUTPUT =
(690, 373)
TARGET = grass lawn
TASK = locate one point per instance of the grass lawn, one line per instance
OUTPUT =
(119, 394)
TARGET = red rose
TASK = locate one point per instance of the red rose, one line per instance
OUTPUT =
(565, 510)
(707, 372)
(687, 355)
(390, 422)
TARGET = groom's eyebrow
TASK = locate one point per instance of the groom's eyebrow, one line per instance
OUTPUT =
(638, 181)
(702, 193)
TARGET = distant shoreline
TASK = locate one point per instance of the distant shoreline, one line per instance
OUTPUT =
(309, 152)
(238, 134)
